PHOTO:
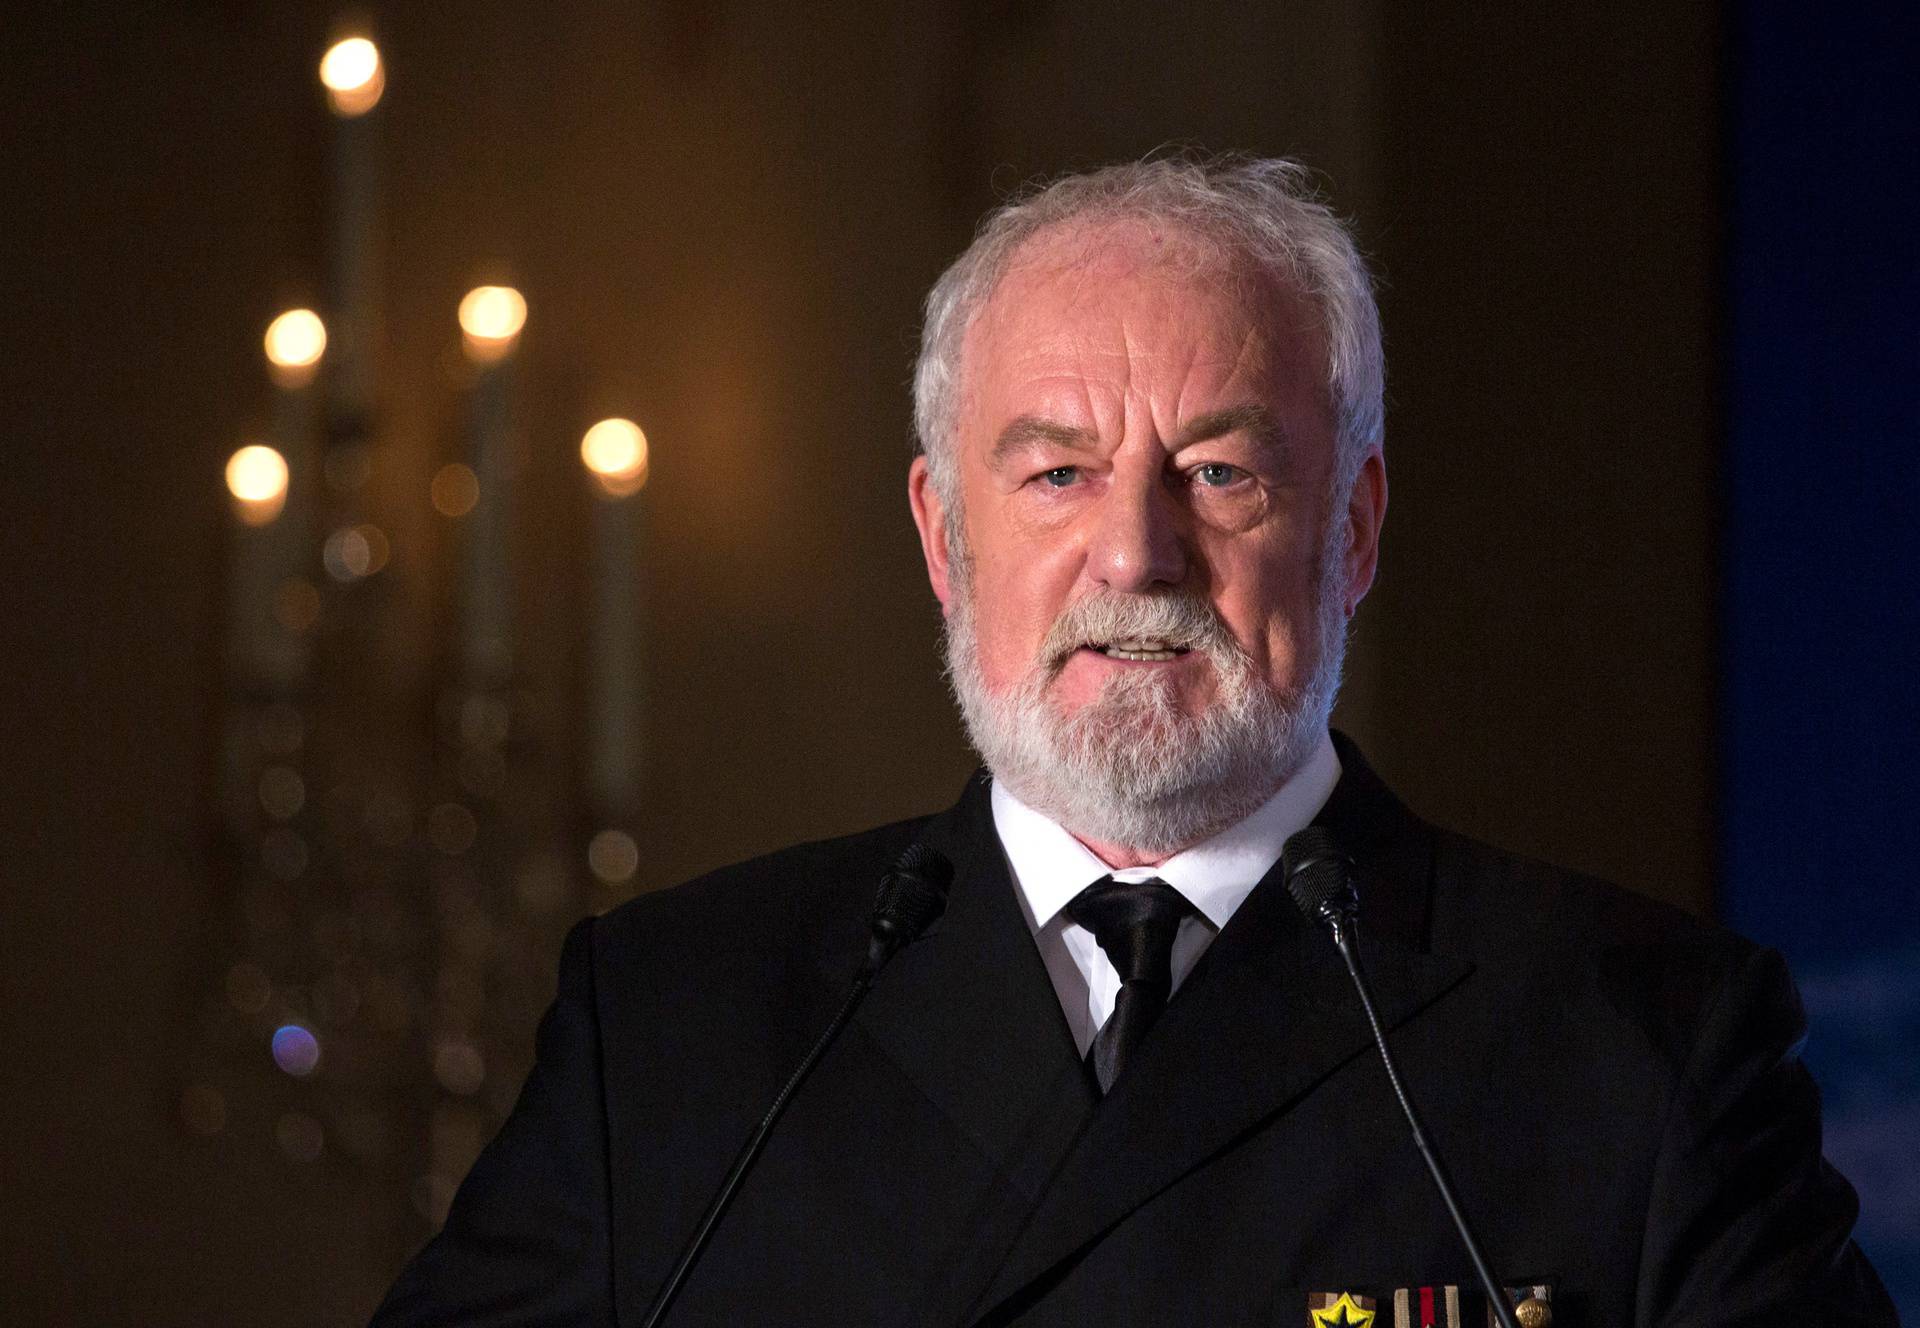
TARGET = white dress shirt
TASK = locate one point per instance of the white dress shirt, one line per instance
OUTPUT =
(1050, 867)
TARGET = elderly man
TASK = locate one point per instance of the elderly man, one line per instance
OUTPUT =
(1122, 1080)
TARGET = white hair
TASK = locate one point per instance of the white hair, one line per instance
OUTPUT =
(1264, 211)
(1130, 767)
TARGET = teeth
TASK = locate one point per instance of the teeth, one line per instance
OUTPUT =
(1139, 650)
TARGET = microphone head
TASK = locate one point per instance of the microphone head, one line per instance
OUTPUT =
(1318, 875)
(912, 894)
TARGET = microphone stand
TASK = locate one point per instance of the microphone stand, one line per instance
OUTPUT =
(862, 984)
(1341, 915)
(912, 895)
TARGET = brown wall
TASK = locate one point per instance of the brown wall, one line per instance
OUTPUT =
(1543, 642)
(724, 217)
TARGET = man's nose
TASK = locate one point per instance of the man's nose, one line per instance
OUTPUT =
(1138, 541)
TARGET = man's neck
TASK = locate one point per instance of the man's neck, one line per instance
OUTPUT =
(1119, 856)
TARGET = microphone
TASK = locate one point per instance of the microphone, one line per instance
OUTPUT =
(912, 894)
(1320, 879)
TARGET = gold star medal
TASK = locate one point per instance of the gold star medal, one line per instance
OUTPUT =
(1341, 1309)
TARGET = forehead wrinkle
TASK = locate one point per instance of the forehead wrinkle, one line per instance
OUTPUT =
(1250, 343)
(1128, 368)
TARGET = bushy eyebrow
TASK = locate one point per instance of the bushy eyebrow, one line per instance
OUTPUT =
(1252, 418)
(1030, 431)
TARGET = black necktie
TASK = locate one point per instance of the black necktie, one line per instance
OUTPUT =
(1135, 923)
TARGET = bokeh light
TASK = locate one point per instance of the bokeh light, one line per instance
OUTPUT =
(455, 489)
(296, 1050)
(459, 1067)
(354, 76)
(257, 479)
(353, 552)
(282, 792)
(490, 318)
(379, 548)
(613, 856)
(615, 452)
(484, 720)
(296, 340)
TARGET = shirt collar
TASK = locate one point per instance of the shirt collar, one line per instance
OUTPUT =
(1050, 866)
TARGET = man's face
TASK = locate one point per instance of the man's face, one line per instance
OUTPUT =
(1145, 454)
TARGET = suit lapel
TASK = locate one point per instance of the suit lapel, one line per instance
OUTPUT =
(1267, 1015)
(969, 1015)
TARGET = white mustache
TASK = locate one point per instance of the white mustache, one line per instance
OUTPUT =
(1180, 619)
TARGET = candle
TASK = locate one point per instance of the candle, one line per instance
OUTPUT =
(490, 321)
(615, 454)
(295, 342)
(355, 77)
(260, 656)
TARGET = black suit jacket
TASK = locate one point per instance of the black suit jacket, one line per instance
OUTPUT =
(1614, 1085)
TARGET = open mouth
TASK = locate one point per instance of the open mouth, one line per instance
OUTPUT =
(1145, 650)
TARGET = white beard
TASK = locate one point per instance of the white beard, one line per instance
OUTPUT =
(1130, 767)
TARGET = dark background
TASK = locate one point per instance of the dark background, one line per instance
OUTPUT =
(723, 217)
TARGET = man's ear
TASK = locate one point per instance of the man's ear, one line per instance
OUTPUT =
(1366, 511)
(930, 515)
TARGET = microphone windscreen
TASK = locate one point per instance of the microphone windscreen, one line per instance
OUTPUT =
(913, 894)
(1315, 869)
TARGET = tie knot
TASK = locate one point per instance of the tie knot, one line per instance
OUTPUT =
(1135, 923)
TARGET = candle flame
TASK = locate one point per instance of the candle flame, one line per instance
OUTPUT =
(354, 75)
(491, 317)
(296, 339)
(615, 451)
(257, 479)
(455, 489)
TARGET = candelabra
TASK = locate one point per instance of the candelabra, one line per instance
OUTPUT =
(394, 862)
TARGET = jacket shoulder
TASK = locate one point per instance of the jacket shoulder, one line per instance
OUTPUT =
(1496, 891)
(1584, 942)
(1672, 1048)
(718, 985)
(810, 892)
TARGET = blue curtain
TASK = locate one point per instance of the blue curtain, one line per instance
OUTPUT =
(1821, 548)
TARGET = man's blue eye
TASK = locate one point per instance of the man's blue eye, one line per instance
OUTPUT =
(1061, 476)
(1216, 474)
